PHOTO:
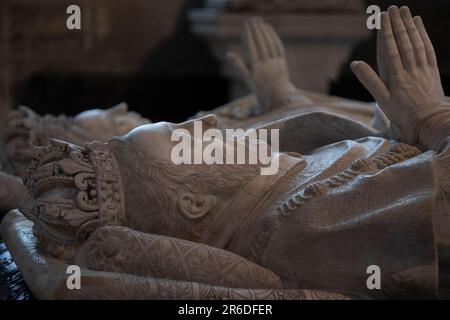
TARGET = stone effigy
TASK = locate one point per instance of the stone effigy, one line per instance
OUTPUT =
(274, 96)
(119, 208)
(318, 35)
(24, 129)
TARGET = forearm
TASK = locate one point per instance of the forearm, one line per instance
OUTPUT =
(122, 250)
(280, 96)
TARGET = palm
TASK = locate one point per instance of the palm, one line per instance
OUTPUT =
(267, 73)
(409, 80)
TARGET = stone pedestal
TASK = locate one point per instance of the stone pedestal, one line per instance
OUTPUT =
(317, 41)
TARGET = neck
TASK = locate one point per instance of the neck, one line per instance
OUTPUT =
(244, 206)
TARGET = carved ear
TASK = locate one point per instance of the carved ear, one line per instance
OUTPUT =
(120, 109)
(195, 206)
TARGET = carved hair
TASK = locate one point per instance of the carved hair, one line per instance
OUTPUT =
(72, 191)
(153, 185)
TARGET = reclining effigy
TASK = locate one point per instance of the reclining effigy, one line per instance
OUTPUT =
(140, 226)
(24, 129)
(274, 98)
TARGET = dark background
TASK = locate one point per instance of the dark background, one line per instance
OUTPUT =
(436, 17)
(178, 76)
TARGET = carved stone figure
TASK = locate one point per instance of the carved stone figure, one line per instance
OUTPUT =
(267, 76)
(263, 67)
(25, 129)
(297, 21)
(120, 208)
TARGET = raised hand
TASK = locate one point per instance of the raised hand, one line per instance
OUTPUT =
(266, 73)
(409, 85)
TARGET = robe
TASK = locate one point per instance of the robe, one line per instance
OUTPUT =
(357, 205)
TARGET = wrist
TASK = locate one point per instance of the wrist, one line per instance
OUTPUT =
(282, 96)
(428, 127)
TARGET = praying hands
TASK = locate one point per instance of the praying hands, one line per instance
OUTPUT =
(408, 88)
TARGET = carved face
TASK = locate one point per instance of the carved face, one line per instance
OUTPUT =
(103, 124)
(155, 139)
(128, 181)
(169, 198)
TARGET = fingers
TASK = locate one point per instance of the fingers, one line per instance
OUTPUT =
(414, 36)
(380, 57)
(430, 53)
(261, 41)
(277, 45)
(238, 65)
(402, 43)
(249, 43)
(402, 38)
(391, 60)
(370, 80)
(262, 46)
(268, 40)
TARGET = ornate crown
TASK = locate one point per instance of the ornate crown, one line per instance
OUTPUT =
(73, 191)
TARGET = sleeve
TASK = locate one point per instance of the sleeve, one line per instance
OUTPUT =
(123, 250)
(47, 278)
(442, 214)
(429, 128)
